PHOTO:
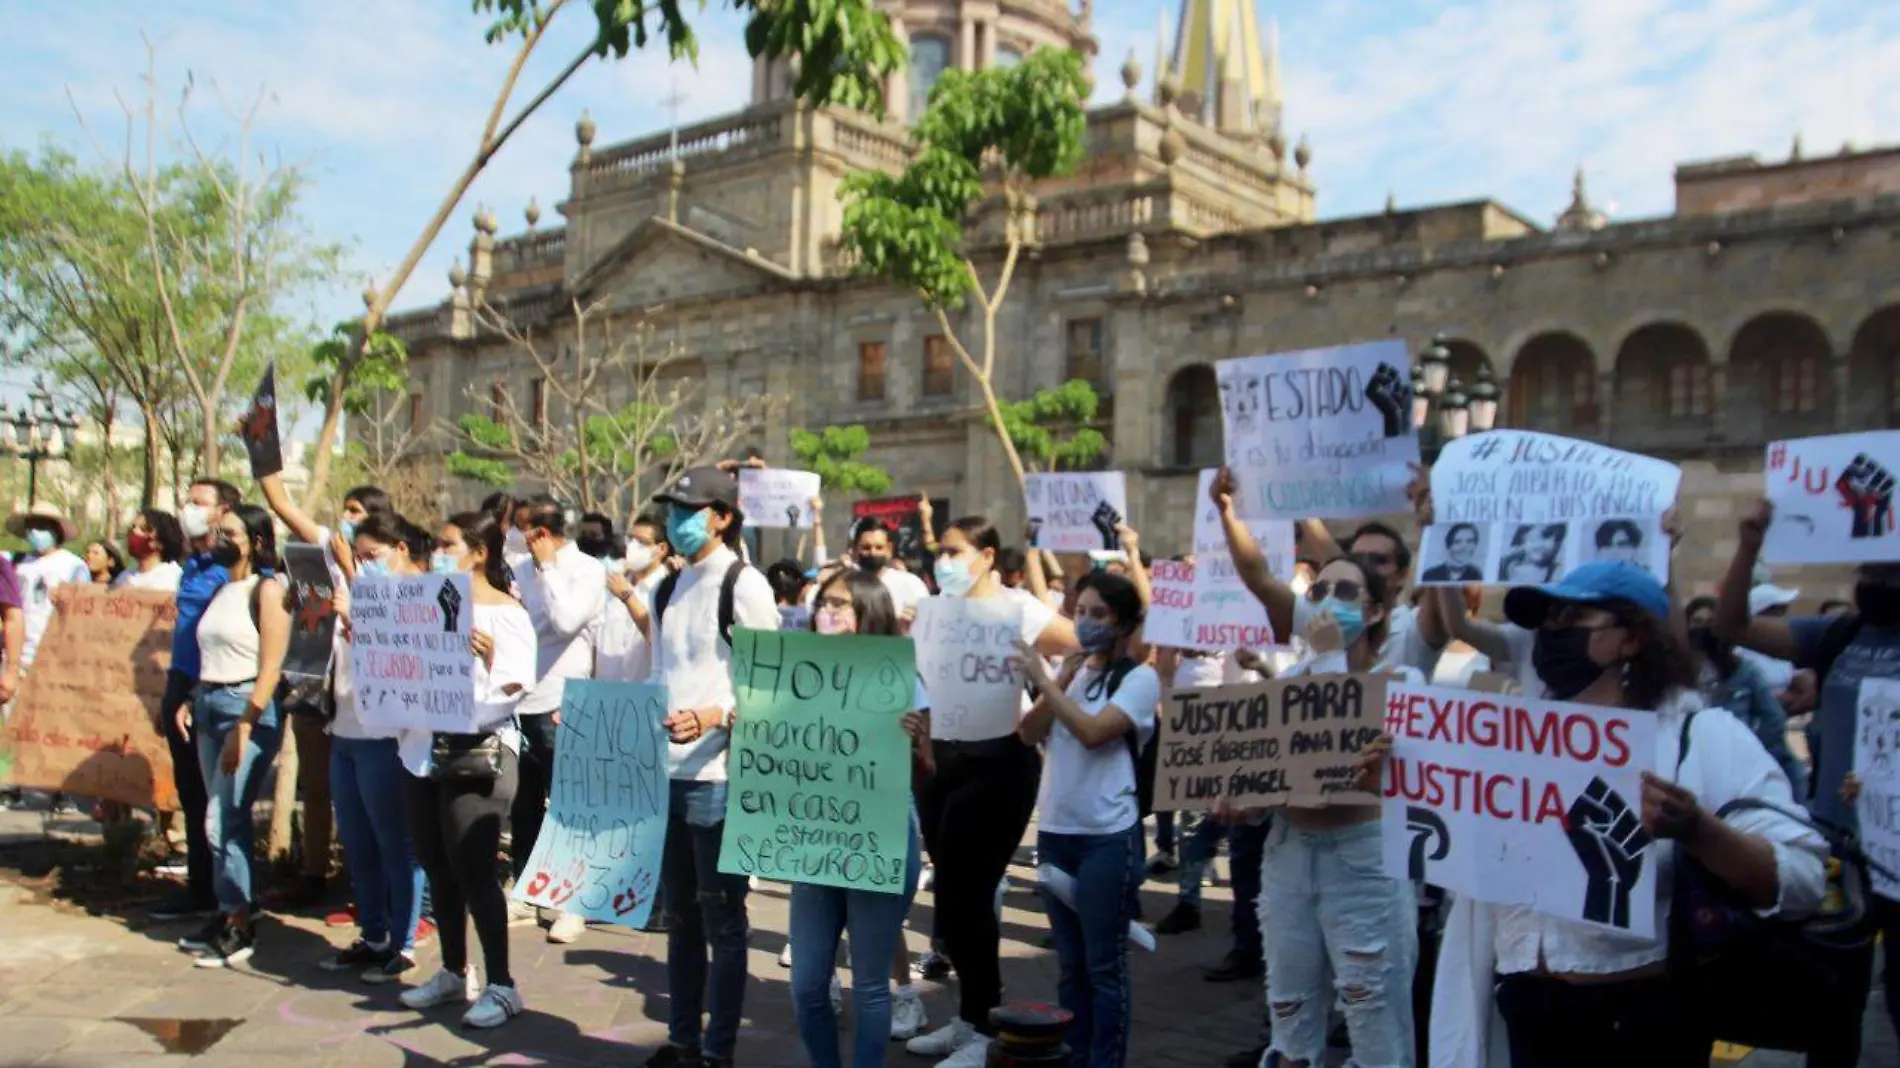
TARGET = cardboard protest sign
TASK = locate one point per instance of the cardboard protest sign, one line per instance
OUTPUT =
(1522, 802)
(82, 723)
(1877, 765)
(1833, 499)
(820, 765)
(902, 515)
(1515, 507)
(1325, 433)
(259, 428)
(963, 651)
(312, 619)
(1076, 511)
(777, 497)
(599, 851)
(1293, 742)
(1226, 614)
(409, 655)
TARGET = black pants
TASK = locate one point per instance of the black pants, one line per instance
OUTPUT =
(974, 811)
(1848, 1028)
(531, 799)
(456, 827)
(1554, 1024)
(190, 781)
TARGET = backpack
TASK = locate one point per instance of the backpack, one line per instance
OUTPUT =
(663, 593)
(1146, 757)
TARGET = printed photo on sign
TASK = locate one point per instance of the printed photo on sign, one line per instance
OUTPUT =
(1877, 766)
(1455, 554)
(776, 497)
(1323, 433)
(1076, 512)
(1293, 742)
(1630, 541)
(963, 653)
(409, 654)
(1534, 554)
(599, 852)
(1521, 802)
(1833, 499)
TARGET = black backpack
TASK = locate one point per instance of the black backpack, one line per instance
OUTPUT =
(664, 593)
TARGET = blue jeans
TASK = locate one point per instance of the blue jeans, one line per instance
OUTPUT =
(705, 910)
(1092, 939)
(228, 827)
(366, 786)
(1329, 908)
(876, 923)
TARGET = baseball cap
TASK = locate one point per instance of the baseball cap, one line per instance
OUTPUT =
(699, 487)
(1593, 583)
(1767, 595)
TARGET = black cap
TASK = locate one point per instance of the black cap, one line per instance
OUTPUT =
(702, 486)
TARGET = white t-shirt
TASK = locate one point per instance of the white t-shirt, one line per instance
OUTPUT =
(1092, 791)
(39, 576)
(621, 652)
(692, 660)
(564, 600)
(513, 634)
(163, 577)
(1200, 672)
(1028, 616)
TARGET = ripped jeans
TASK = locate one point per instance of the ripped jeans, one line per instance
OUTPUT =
(706, 911)
(1329, 911)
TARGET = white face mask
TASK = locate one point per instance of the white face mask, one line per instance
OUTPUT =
(194, 520)
(639, 556)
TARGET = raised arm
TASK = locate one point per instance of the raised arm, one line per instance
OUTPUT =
(1249, 562)
(302, 527)
(1766, 635)
(273, 640)
(1318, 542)
(1487, 638)
(574, 595)
(819, 556)
(1033, 574)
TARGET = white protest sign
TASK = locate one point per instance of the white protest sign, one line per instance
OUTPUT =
(1226, 614)
(963, 651)
(1325, 433)
(1877, 765)
(1522, 802)
(777, 497)
(1170, 620)
(1076, 511)
(1516, 507)
(1833, 499)
(410, 662)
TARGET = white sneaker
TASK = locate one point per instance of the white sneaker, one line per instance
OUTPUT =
(908, 1018)
(945, 1040)
(927, 879)
(443, 988)
(567, 927)
(785, 956)
(974, 1055)
(837, 995)
(519, 912)
(497, 1005)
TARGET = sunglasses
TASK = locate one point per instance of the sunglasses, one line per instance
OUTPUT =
(1345, 589)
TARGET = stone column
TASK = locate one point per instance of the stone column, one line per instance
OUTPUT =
(966, 41)
(897, 84)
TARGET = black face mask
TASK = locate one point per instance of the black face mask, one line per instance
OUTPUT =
(1704, 641)
(872, 563)
(1877, 603)
(225, 554)
(1561, 658)
(599, 548)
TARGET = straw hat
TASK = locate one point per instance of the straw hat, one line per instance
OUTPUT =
(16, 524)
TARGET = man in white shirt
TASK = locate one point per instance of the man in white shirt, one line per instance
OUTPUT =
(46, 567)
(692, 655)
(622, 651)
(563, 590)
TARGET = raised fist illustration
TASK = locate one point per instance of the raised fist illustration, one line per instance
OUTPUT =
(1106, 519)
(1391, 394)
(1428, 834)
(451, 602)
(1609, 839)
(792, 513)
(1035, 533)
(1866, 490)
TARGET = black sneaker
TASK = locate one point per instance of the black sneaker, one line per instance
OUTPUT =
(675, 1057)
(358, 955)
(235, 946)
(1181, 920)
(1234, 969)
(205, 938)
(391, 970)
(184, 905)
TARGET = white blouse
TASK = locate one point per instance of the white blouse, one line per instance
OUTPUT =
(515, 651)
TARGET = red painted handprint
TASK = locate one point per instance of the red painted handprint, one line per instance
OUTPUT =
(640, 890)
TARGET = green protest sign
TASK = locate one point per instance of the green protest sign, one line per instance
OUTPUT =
(820, 765)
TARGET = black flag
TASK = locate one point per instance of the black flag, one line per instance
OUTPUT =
(259, 428)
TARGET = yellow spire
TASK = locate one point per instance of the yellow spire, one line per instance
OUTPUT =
(1218, 41)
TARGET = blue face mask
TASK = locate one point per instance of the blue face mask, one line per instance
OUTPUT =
(1350, 617)
(377, 567)
(347, 528)
(1095, 636)
(953, 577)
(40, 539)
(688, 531)
(442, 563)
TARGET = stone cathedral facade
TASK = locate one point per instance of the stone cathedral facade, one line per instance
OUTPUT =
(1767, 305)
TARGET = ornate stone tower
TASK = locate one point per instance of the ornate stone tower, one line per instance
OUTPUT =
(1223, 78)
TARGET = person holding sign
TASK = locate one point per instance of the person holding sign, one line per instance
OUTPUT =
(1572, 991)
(977, 806)
(459, 788)
(854, 602)
(1095, 717)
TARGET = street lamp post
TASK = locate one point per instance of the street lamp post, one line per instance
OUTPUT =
(36, 431)
(1435, 390)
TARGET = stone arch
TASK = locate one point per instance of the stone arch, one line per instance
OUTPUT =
(1873, 372)
(1665, 388)
(1553, 386)
(1780, 379)
(1466, 357)
(1193, 436)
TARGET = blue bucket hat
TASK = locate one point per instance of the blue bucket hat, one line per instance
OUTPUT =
(1593, 583)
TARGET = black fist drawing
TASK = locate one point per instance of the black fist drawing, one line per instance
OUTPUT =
(1391, 394)
(1035, 533)
(451, 602)
(792, 512)
(1428, 833)
(1866, 489)
(1609, 839)
(1106, 519)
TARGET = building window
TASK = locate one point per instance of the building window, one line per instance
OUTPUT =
(1008, 57)
(1194, 410)
(929, 56)
(540, 403)
(940, 366)
(1689, 390)
(871, 357)
(415, 412)
(498, 404)
(1797, 385)
(1083, 352)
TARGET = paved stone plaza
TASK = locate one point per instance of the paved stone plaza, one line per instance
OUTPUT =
(84, 991)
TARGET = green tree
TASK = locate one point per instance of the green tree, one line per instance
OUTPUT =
(1055, 428)
(1012, 125)
(833, 454)
(845, 49)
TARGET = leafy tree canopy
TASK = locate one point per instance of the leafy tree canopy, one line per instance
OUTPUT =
(833, 453)
(1055, 426)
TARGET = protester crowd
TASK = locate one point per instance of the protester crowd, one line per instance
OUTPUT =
(1400, 972)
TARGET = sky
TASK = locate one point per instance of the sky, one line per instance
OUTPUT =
(380, 102)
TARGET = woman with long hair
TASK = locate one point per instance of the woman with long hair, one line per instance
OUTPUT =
(242, 637)
(156, 545)
(460, 787)
(854, 602)
(1094, 719)
(104, 562)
